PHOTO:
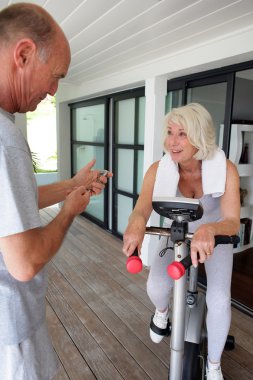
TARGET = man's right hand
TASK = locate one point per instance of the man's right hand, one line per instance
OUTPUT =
(76, 202)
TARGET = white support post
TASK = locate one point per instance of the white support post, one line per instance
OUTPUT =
(155, 92)
(63, 140)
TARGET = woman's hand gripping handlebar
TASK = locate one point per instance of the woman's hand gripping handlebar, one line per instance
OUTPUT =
(177, 269)
(134, 263)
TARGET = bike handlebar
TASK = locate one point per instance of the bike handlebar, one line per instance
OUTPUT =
(134, 263)
(177, 269)
(225, 239)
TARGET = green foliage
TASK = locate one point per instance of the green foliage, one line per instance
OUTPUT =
(35, 162)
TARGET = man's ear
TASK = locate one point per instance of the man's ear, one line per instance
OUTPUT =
(24, 52)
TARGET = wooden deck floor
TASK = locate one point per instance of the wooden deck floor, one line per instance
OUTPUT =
(99, 315)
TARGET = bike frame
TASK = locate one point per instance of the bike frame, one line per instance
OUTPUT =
(178, 318)
(187, 317)
(188, 312)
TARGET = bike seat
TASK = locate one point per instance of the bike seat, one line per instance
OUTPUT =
(179, 208)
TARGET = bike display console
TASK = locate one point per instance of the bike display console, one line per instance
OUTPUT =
(179, 209)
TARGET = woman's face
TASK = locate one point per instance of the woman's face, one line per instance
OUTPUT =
(178, 145)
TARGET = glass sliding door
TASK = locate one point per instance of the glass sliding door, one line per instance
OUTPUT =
(213, 98)
(89, 140)
(226, 93)
(128, 146)
(214, 92)
(242, 137)
(173, 99)
(111, 130)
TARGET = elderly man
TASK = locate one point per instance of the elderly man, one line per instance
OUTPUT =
(35, 54)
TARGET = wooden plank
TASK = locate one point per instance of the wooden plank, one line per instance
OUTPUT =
(105, 286)
(123, 325)
(88, 347)
(233, 371)
(102, 260)
(61, 375)
(89, 264)
(242, 321)
(240, 356)
(110, 344)
(73, 362)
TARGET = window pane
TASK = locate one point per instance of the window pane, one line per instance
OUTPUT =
(96, 206)
(125, 116)
(213, 98)
(125, 207)
(89, 123)
(141, 120)
(173, 99)
(140, 170)
(125, 164)
(242, 108)
(82, 154)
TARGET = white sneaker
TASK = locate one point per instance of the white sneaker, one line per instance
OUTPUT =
(160, 326)
(214, 374)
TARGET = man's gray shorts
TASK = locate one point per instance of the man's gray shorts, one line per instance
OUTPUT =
(32, 359)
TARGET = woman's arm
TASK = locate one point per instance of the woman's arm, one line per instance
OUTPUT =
(135, 231)
(203, 240)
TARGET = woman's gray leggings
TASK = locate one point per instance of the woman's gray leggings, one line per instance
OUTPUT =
(218, 298)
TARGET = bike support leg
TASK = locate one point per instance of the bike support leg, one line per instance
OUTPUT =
(178, 318)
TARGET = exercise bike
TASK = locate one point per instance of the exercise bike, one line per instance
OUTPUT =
(188, 330)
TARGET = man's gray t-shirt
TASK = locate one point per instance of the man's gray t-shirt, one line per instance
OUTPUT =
(22, 304)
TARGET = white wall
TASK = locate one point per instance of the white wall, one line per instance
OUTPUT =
(46, 178)
(63, 140)
(155, 93)
(223, 51)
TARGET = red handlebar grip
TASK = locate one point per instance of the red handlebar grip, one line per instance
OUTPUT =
(134, 264)
(176, 270)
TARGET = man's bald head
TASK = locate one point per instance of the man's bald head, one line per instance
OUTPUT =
(25, 20)
(35, 55)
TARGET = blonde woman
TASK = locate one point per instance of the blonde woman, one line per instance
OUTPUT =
(193, 167)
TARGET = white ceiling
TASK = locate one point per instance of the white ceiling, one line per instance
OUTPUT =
(108, 36)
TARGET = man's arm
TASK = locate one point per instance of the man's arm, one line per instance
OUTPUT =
(26, 253)
(51, 194)
(54, 193)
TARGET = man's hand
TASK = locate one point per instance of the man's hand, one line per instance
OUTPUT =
(91, 179)
(76, 202)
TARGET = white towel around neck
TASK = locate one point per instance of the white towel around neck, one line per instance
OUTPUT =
(213, 176)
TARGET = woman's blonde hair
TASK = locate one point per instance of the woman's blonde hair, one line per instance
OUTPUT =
(198, 125)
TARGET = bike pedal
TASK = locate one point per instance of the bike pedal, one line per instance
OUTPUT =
(230, 343)
(168, 328)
